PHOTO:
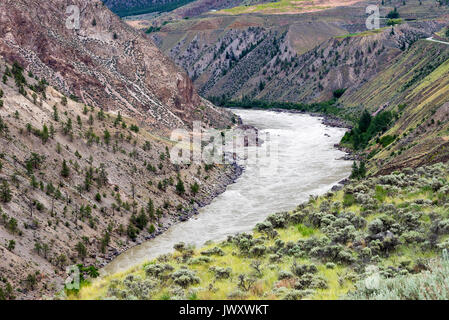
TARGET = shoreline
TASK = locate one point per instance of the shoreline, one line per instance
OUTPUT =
(225, 181)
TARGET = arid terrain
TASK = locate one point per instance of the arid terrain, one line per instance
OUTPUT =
(90, 92)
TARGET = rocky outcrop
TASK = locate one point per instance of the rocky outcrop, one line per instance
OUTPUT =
(104, 63)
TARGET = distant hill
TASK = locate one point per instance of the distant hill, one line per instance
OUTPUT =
(296, 58)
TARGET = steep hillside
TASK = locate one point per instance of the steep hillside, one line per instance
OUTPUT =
(104, 63)
(84, 154)
(80, 185)
(415, 86)
(240, 66)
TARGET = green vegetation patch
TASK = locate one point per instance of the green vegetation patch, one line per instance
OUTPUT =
(367, 128)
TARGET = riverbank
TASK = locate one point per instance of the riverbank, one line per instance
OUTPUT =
(227, 175)
(224, 176)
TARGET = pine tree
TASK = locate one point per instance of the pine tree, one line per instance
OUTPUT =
(195, 188)
(355, 170)
(362, 170)
(5, 192)
(65, 172)
(81, 249)
(150, 210)
(364, 121)
(55, 114)
(358, 172)
(180, 187)
(107, 137)
(45, 134)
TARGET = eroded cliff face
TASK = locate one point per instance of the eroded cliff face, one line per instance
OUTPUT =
(262, 63)
(104, 63)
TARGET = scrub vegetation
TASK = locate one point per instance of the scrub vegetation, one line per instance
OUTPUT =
(391, 228)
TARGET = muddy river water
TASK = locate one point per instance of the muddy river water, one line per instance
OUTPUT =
(306, 163)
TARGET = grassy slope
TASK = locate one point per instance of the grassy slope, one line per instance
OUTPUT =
(285, 7)
(418, 80)
(409, 204)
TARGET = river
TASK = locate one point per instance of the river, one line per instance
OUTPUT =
(307, 164)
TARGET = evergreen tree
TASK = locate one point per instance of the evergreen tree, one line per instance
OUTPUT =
(5, 192)
(358, 172)
(65, 172)
(362, 170)
(180, 189)
(44, 134)
(107, 137)
(364, 121)
(150, 210)
(194, 188)
(81, 249)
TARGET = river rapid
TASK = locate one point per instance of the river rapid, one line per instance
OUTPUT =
(302, 161)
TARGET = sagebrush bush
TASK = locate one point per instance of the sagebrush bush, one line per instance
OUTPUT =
(185, 277)
(432, 284)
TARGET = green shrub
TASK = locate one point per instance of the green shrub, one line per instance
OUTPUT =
(157, 270)
(348, 200)
(221, 273)
(387, 140)
(338, 93)
(432, 284)
(393, 14)
(200, 260)
(213, 251)
(185, 278)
